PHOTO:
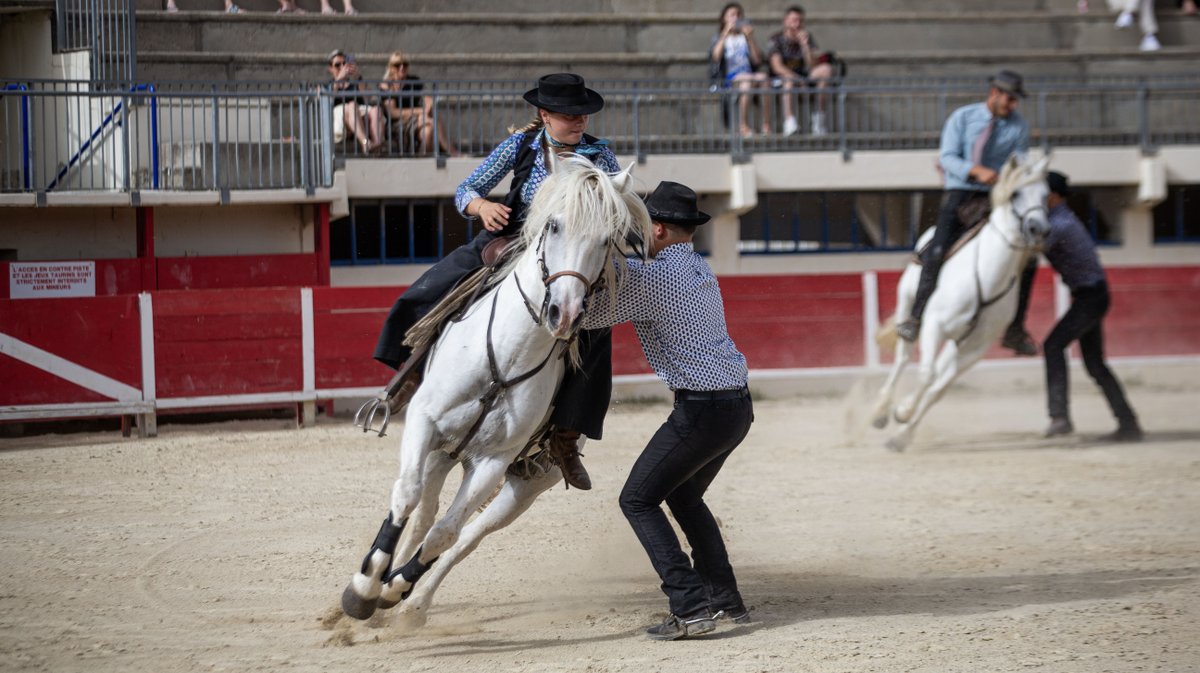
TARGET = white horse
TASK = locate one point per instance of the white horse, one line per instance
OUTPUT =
(488, 387)
(975, 299)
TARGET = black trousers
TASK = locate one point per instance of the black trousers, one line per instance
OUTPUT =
(582, 400)
(1083, 322)
(677, 466)
(946, 230)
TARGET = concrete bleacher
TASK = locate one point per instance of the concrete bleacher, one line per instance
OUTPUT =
(651, 40)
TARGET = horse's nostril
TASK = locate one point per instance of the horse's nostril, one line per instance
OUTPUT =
(553, 314)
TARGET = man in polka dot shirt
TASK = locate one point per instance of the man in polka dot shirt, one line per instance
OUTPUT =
(675, 305)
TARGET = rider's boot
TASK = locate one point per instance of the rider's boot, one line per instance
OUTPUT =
(911, 328)
(564, 447)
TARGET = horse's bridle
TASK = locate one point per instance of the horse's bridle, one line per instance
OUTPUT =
(1021, 216)
(539, 316)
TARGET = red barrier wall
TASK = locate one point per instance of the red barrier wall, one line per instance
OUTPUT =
(221, 342)
(205, 273)
(346, 324)
(98, 333)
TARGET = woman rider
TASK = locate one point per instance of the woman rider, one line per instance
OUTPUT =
(563, 105)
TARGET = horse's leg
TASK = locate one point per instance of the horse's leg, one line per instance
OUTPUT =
(945, 369)
(437, 468)
(883, 405)
(514, 499)
(480, 478)
(362, 593)
(932, 341)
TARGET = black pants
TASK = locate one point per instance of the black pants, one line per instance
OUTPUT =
(1083, 322)
(583, 399)
(677, 466)
(946, 230)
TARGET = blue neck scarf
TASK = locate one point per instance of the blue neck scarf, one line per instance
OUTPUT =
(583, 148)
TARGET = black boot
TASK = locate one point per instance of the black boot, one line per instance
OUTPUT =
(564, 448)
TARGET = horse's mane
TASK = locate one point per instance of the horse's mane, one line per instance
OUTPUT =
(585, 200)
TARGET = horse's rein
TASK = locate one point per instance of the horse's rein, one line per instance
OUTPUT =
(539, 317)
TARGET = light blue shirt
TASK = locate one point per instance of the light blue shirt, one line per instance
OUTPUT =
(1011, 134)
(676, 308)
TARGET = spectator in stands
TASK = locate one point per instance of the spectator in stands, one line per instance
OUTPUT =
(796, 63)
(736, 59)
(1188, 7)
(411, 116)
(676, 308)
(1072, 253)
(347, 8)
(230, 8)
(564, 106)
(1145, 9)
(353, 116)
(289, 7)
(976, 141)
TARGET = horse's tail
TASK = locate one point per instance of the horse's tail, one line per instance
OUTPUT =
(886, 335)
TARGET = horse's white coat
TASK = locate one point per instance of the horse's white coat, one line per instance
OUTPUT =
(959, 323)
(576, 216)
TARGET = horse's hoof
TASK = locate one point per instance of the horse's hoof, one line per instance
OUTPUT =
(355, 606)
(896, 444)
(386, 604)
(880, 422)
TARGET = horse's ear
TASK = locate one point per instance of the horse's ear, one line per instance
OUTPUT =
(1041, 168)
(624, 180)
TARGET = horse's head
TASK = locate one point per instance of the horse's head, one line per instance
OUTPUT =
(579, 214)
(1022, 189)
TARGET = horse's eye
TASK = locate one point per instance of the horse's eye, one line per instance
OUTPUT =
(554, 226)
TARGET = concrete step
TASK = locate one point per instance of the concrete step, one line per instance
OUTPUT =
(755, 9)
(673, 34)
(1079, 64)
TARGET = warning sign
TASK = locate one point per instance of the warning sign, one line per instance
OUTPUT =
(38, 280)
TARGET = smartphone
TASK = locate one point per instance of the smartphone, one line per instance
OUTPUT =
(740, 24)
(349, 59)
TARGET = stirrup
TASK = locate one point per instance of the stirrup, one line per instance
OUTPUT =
(395, 396)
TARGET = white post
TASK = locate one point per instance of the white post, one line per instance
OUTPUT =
(870, 287)
(147, 422)
(308, 408)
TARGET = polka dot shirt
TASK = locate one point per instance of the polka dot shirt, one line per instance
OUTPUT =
(676, 309)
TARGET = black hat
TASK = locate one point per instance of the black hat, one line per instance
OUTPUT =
(1007, 80)
(674, 203)
(1058, 183)
(564, 93)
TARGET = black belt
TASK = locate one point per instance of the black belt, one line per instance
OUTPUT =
(710, 395)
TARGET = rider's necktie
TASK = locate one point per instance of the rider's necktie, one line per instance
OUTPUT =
(981, 142)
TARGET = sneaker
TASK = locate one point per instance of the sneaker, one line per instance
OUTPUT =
(790, 126)
(1125, 433)
(1149, 43)
(1059, 426)
(674, 628)
(818, 123)
(1124, 20)
(1020, 343)
(909, 330)
(232, 9)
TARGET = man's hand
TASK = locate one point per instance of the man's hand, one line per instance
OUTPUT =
(494, 216)
(983, 175)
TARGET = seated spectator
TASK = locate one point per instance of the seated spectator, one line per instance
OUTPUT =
(348, 8)
(353, 117)
(289, 7)
(736, 59)
(1146, 19)
(796, 63)
(411, 116)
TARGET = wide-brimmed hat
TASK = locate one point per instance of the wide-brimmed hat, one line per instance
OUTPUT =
(1059, 184)
(1009, 81)
(564, 93)
(674, 203)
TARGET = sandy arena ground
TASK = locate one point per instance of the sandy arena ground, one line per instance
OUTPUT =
(983, 549)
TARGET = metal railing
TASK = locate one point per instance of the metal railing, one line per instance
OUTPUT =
(104, 28)
(261, 135)
(72, 136)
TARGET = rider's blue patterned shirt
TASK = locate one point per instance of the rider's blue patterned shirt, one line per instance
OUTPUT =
(675, 305)
(501, 161)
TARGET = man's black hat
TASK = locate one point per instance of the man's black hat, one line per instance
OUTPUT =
(564, 93)
(674, 203)
(1058, 183)
(1007, 80)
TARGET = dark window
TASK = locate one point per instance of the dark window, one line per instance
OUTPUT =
(1177, 218)
(837, 221)
(397, 231)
